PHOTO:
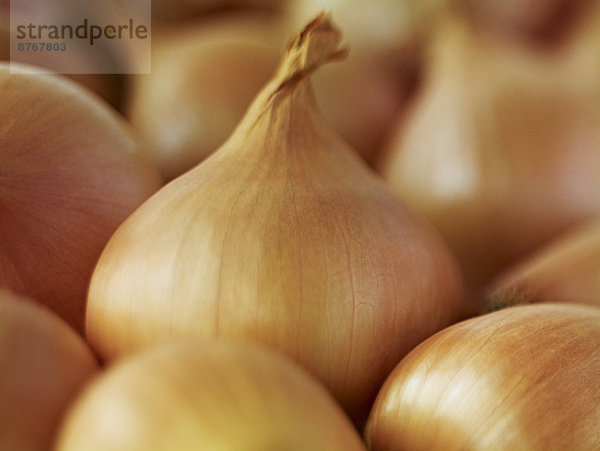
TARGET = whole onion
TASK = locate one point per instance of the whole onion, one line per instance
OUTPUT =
(43, 365)
(71, 172)
(283, 236)
(525, 377)
(207, 396)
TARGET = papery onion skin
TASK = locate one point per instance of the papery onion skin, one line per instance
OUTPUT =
(207, 395)
(71, 172)
(204, 76)
(43, 365)
(525, 377)
(565, 270)
(283, 237)
(514, 157)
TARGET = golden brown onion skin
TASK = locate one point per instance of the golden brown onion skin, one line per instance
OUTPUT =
(283, 237)
(207, 395)
(43, 365)
(71, 172)
(525, 377)
(565, 270)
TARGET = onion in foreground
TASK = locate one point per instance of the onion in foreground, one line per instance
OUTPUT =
(283, 237)
(212, 396)
(526, 377)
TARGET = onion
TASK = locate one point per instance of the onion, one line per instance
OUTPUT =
(43, 365)
(362, 98)
(203, 78)
(213, 396)
(71, 172)
(283, 237)
(526, 377)
(498, 152)
(565, 270)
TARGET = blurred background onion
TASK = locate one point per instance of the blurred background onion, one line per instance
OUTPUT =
(501, 148)
(207, 396)
(204, 76)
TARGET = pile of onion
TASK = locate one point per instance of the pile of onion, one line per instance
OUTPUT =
(43, 365)
(207, 396)
(204, 76)
(499, 152)
(283, 236)
(71, 172)
(526, 377)
(564, 270)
